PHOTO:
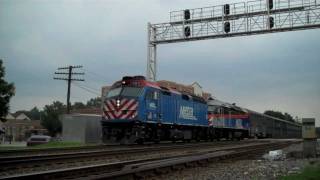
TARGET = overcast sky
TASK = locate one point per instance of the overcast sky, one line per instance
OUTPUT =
(109, 37)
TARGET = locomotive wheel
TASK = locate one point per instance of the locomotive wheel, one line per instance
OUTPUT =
(140, 141)
(156, 141)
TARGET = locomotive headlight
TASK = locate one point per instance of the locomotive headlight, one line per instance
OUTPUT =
(118, 102)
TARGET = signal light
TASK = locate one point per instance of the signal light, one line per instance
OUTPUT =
(226, 9)
(227, 27)
(270, 4)
(271, 22)
(186, 14)
(187, 31)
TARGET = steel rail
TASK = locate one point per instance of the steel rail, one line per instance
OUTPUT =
(40, 151)
(141, 168)
(4, 161)
(112, 170)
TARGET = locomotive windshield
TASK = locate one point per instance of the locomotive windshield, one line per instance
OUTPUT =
(124, 91)
(114, 92)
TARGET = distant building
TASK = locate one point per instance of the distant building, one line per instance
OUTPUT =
(93, 110)
(197, 89)
(104, 91)
(84, 125)
(318, 132)
(19, 127)
(22, 116)
(9, 116)
(83, 128)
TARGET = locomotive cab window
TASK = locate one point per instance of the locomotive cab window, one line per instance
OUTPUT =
(131, 91)
(114, 92)
(152, 95)
(214, 109)
(126, 91)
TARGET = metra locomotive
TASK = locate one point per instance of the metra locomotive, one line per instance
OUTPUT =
(136, 110)
(227, 120)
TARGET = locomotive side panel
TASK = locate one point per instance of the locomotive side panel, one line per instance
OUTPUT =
(168, 108)
(190, 112)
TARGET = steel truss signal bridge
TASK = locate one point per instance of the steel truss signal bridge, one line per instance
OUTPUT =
(229, 20)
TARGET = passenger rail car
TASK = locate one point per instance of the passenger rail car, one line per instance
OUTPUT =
(264, 126)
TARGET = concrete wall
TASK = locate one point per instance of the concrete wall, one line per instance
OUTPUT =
(83, 128)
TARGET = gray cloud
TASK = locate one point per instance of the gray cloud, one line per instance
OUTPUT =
(273, 71)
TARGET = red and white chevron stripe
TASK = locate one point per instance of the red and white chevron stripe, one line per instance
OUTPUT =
(127, 109)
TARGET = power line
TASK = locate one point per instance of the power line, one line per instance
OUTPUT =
(87, 89)
(69, 79)
(101, 77)
(97, 90)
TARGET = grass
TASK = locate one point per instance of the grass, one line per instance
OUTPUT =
(52, 144)
(4, 148)
(59, 144)
(311, 172)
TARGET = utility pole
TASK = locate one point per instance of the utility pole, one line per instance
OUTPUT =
(69, 78)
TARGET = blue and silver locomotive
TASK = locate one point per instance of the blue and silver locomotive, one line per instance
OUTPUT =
(136, 110)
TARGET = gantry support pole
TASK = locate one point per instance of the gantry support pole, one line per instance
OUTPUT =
(152, 55)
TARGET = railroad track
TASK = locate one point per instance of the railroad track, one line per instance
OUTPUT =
(39, 152)
(35, 151)
(150, 164)
(89, 152)
(21, 164)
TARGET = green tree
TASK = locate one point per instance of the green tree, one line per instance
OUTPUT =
(78, 105)
(278, 114)
(34, 113)
(50, 119)
(288, 117)
(7, 90)
(94, 102)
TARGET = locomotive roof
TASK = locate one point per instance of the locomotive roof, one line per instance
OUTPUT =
(156, 85)
(216, 102)
(275, 118)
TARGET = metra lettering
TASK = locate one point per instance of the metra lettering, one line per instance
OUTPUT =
(153, 105)
(186, 113)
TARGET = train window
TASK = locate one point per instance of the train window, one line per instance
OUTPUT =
(167, 93)
(152, 95)
(211, 108)
(226, 110)
(149, 95)
(198, 99)
(131, 91)
(155, 95)
(217, 110)
(185, 97)
(114, 92)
